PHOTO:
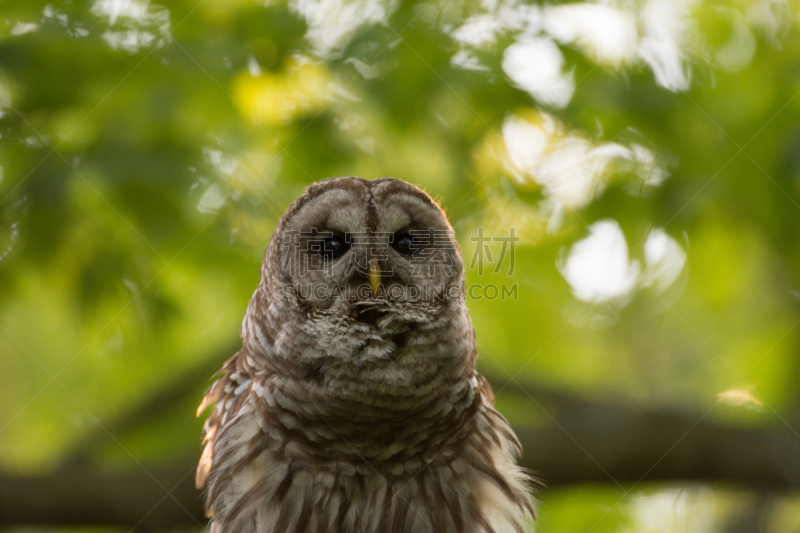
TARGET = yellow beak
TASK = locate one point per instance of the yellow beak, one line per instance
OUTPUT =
(374, 275)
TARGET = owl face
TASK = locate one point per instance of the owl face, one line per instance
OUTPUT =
(365, 269)
(362, 242)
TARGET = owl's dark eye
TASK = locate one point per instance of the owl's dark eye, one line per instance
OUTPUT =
(404, 244)
(334, 246)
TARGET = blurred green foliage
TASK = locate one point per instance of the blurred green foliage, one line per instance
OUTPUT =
(147, 152)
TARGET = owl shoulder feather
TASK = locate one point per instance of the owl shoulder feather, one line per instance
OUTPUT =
(226, 396)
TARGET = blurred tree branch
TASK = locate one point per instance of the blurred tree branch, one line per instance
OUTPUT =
(135, 499)
(150, 407)
(588, 442)
(598, 441)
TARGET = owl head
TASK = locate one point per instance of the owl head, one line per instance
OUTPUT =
(356, 269)
(352, 240)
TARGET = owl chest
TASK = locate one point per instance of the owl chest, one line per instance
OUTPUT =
(468, 486)
(438, 499)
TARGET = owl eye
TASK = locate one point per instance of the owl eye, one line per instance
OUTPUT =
(404, 244)
(334, 247)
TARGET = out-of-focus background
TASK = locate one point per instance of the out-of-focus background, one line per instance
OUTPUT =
(623, 177)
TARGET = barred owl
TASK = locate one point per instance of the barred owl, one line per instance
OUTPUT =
(354, 405)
